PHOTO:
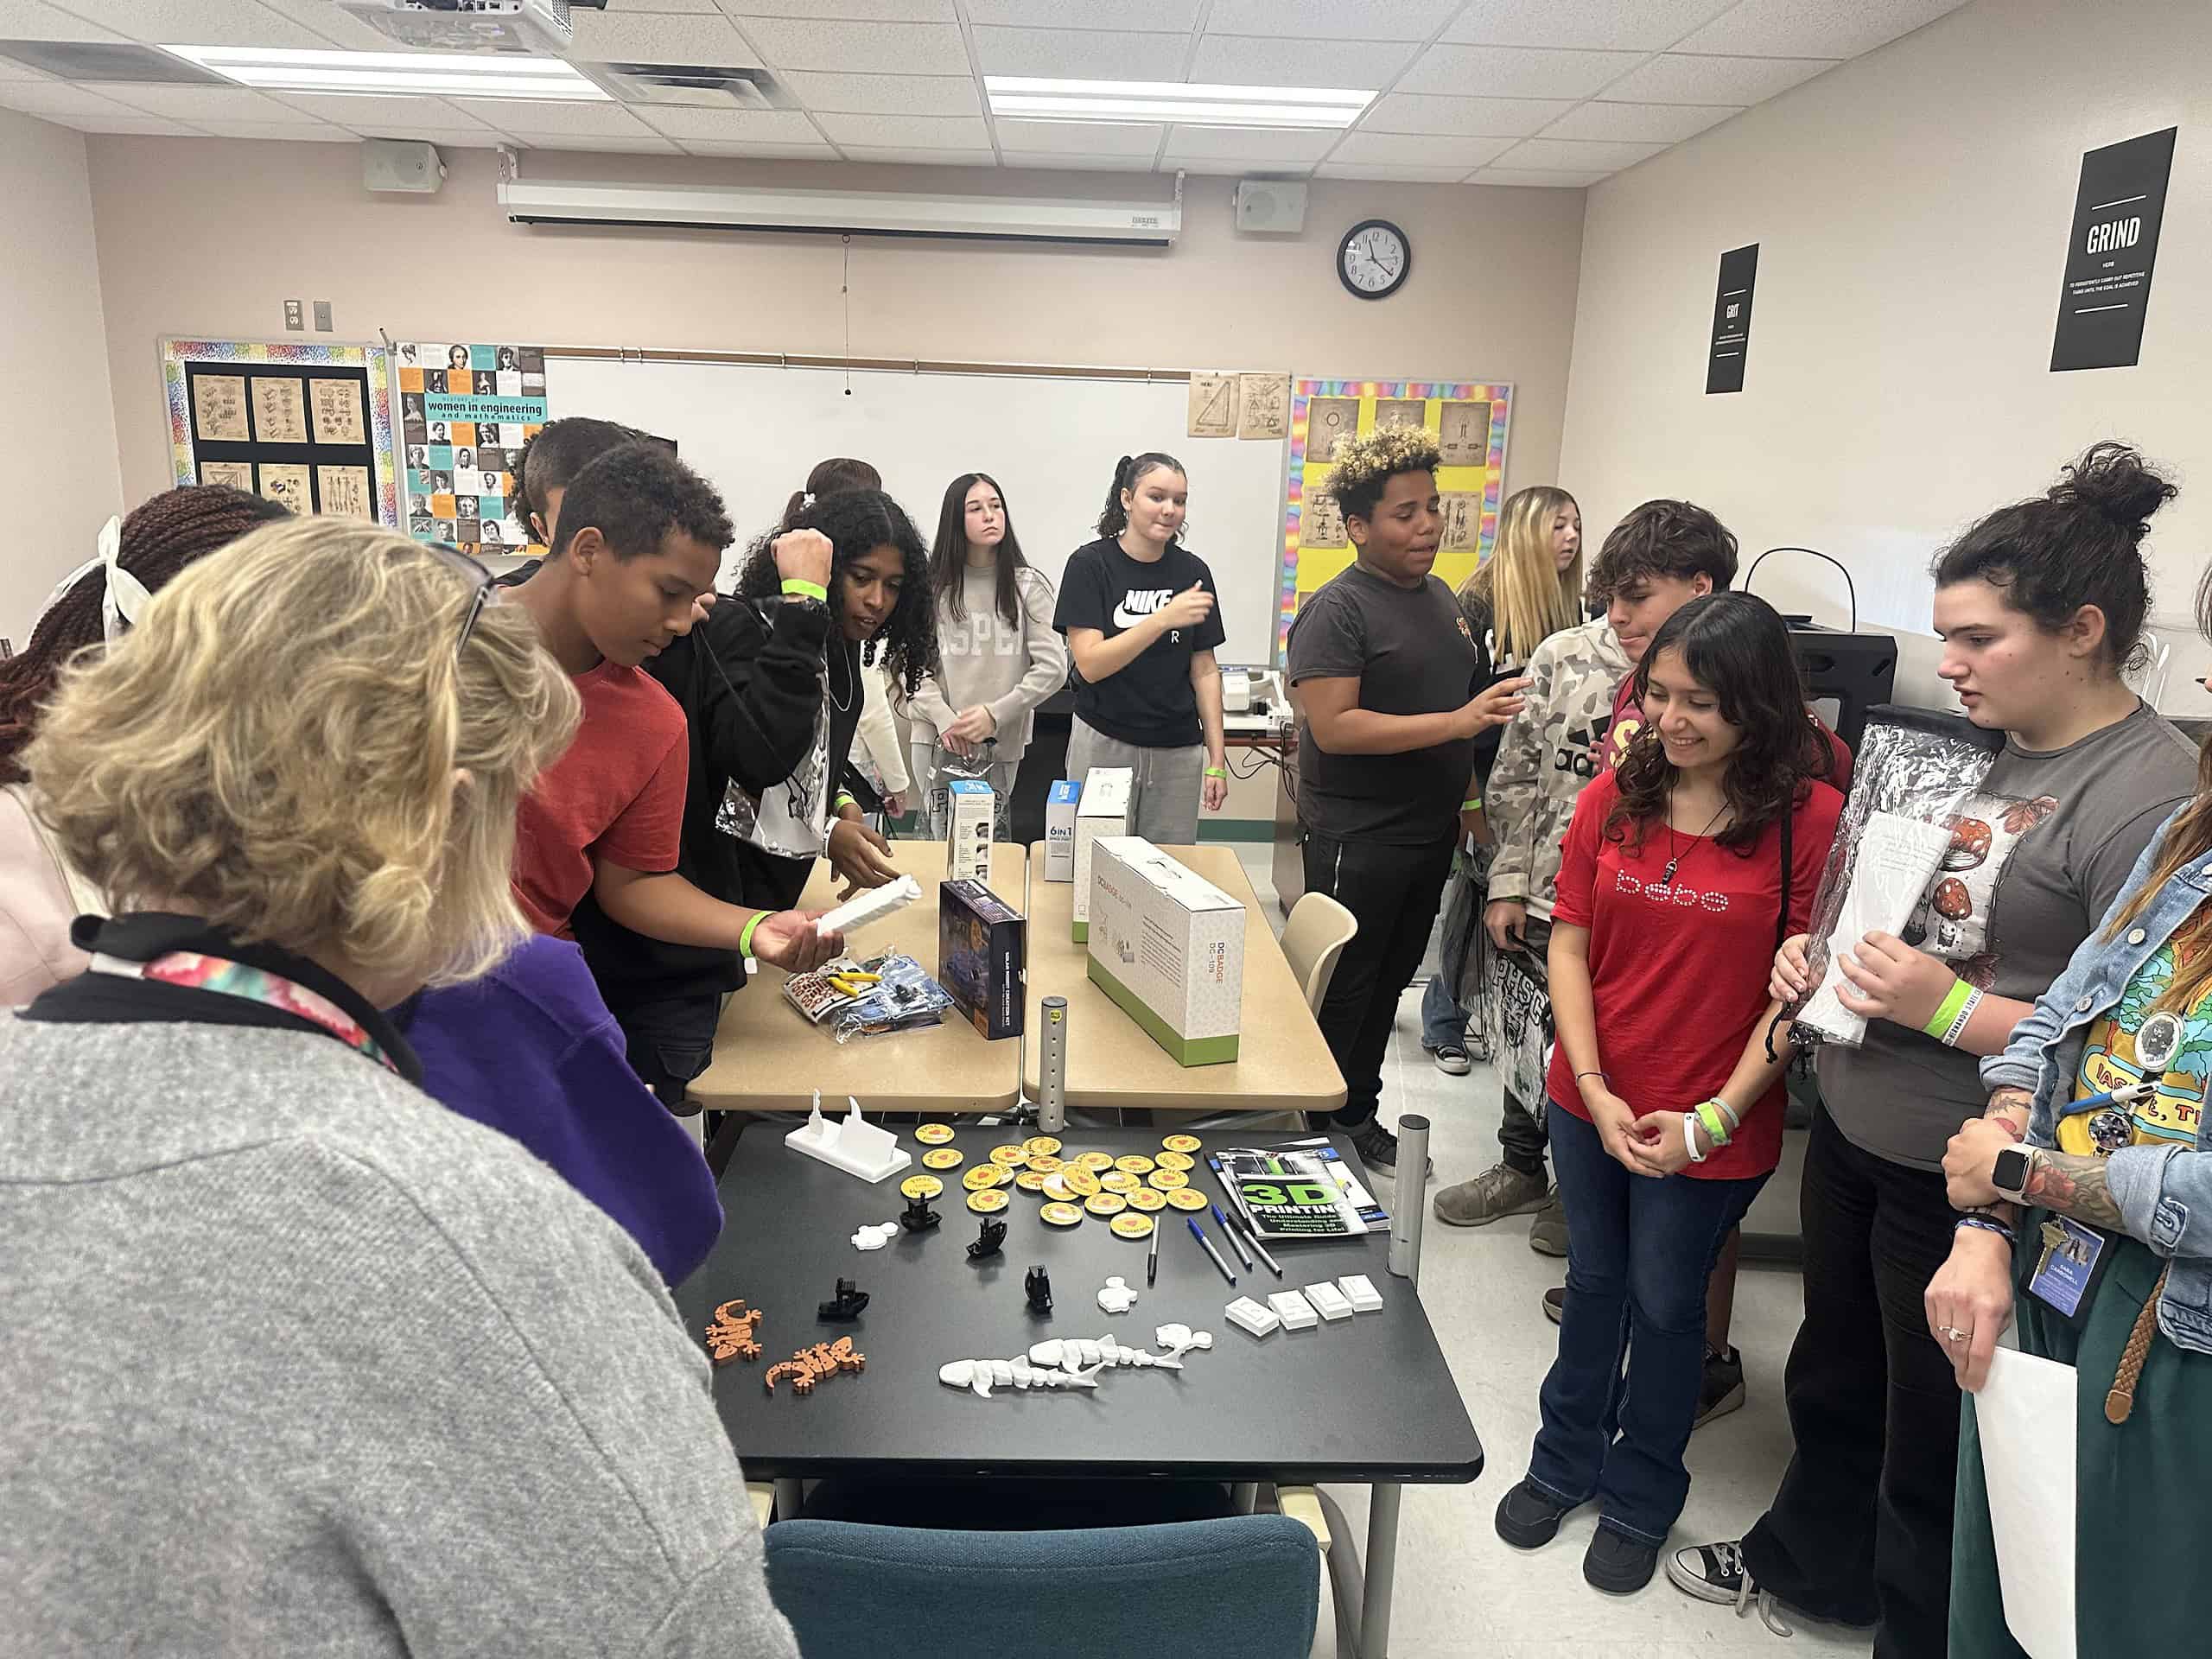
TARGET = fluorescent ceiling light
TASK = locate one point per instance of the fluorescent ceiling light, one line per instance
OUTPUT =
(1043, 99)
(461, 73)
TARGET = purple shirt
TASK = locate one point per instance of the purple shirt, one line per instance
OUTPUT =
(531, 1050)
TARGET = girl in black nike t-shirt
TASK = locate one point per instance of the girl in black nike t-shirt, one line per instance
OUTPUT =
(1142, 618)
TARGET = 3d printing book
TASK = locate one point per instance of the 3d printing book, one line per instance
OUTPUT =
(1303, 1189)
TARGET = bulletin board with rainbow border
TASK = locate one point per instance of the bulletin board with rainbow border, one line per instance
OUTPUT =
(1469, 418)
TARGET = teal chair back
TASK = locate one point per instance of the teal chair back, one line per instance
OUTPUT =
(1245, 1587)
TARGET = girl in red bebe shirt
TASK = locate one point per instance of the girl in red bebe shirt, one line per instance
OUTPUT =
(1677, 871)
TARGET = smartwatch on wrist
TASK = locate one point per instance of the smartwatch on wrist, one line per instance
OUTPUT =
(2009, 1174)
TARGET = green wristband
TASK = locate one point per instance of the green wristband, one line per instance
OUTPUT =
(800, 590)
(1947, 1009)
(1716, 1127)
(1217, 772)
(1474, 805)
(745, 939)
(844, 799)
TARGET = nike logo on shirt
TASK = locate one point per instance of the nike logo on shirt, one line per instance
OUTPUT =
(1136, 605)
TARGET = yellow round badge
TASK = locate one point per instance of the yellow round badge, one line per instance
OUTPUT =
(1131, 1225)
(921, 1186)
(933, 1134)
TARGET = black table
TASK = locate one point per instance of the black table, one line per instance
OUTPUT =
(1368, 1400)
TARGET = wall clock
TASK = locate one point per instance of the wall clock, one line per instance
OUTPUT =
(1374, 259)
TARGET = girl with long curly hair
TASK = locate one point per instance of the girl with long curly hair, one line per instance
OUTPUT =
(1683, 868)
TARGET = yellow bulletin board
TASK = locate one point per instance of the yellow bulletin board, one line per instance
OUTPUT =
(1470, 419)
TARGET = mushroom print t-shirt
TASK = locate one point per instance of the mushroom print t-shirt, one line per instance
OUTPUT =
(2036, 859)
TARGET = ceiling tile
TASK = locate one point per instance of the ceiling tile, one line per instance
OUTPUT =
(594, 144)
(1410, 149)
(1331, 20)
(54, 98)
(279, 131)
(1646, 25)
(860, 49)
(1391, 174)
(663, 5)
(194, 22)
(658, 37)
(1539, 180)
(1056, 161)
(362, 112)
(1167, 15)
(920, 157)
(761, 152)
(1667, 123)
(202, 104)
(875, 11)
(34, 20)
(731, 126)
(11, 70)
(1813, 28)
(1505, 117)
(1244, 60)
(150, 125)
(534, 115)
(1572, 155)
(906, 132)
(335, 26)
(1515, 71)
(1112, 140)
(1680, 78)
(1083, 53)
(885, 94)
(1298, 148)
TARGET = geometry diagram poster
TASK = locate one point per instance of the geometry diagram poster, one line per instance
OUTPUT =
(1469, 418)
(465, 413)
(308, 426)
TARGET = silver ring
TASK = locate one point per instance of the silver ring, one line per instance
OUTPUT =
(1952, 1333)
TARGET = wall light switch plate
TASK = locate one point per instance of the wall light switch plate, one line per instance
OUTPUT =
(322, 316)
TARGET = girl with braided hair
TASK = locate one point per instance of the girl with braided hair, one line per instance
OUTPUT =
(39, 892)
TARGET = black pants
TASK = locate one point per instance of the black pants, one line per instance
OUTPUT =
(669, 1042)
(1393, 893)
(1861, 1529)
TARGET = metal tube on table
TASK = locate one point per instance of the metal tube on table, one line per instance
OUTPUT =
(1053, 1067)
(1381, 1549)
(1406, 1215)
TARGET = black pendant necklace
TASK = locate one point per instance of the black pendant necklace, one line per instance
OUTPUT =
(1667, 878)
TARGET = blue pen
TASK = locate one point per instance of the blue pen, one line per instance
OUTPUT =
(1222, 1220)
(1198, 1233)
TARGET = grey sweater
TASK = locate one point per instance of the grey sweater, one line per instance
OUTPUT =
(1010, 671)
(296, 1361)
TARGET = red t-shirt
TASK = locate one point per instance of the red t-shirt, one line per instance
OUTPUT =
(1628, 720)
(1679, 975)
(616, 795)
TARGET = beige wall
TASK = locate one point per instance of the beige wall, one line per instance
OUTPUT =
(211, 237)
(57, 422)
(1912, 210)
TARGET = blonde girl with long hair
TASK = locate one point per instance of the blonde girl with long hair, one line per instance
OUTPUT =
(1530, 588)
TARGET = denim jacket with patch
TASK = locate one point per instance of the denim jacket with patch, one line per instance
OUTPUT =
(2164, 1194)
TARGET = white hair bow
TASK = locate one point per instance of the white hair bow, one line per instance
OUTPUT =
(122, 600)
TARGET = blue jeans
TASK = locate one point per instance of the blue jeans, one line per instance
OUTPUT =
(1639, 1252)
(1443, 1021)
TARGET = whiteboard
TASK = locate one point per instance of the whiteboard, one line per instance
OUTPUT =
(1052, 444)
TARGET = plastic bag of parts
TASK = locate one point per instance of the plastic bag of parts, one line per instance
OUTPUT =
(1904, 841)
(907, 1000)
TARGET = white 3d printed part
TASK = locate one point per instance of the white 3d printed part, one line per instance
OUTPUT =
(857, 1148)
(1328, 1301)
(864, 908)
(1116, 1297)
(876, 1237)
(1359, 1290)
(1293, 1310)
(1896, 857)
(1248, 1315)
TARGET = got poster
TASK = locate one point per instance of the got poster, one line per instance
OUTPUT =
(1470, 420)
(465, 413)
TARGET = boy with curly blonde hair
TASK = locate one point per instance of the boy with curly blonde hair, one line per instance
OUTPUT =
(1384, 675)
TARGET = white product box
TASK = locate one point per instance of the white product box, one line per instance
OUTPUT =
(1168, 946)
(968, 804)
(1103, 811)
(1059, 829)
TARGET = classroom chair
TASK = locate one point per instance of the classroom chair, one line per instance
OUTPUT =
(1314, 938)
(1244, 1587)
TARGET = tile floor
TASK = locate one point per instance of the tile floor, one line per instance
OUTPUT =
(1461, 1592)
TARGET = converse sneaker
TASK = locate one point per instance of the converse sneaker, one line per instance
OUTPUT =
(1453, 1060)
(1499, 1190)
(1716, 1573)
(1721, 1390)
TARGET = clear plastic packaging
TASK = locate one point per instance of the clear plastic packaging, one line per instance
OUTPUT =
(1906, 824)
(901, 997)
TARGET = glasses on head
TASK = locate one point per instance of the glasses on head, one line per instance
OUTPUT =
(486, 586)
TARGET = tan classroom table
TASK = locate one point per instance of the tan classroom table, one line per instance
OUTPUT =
(1282, 1065)
(767, 1059)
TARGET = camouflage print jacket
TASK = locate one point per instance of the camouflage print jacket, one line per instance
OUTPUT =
(1554, 747)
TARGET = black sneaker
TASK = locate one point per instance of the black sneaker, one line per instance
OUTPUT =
(1721, 1390)
(1555, 1306)
(1378, 1148)
(1618, 1564)
(1529, 1518)
(1716, 1573)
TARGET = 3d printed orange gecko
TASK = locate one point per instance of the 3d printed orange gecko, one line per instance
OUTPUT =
(808, 1365)
(732, 1334)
